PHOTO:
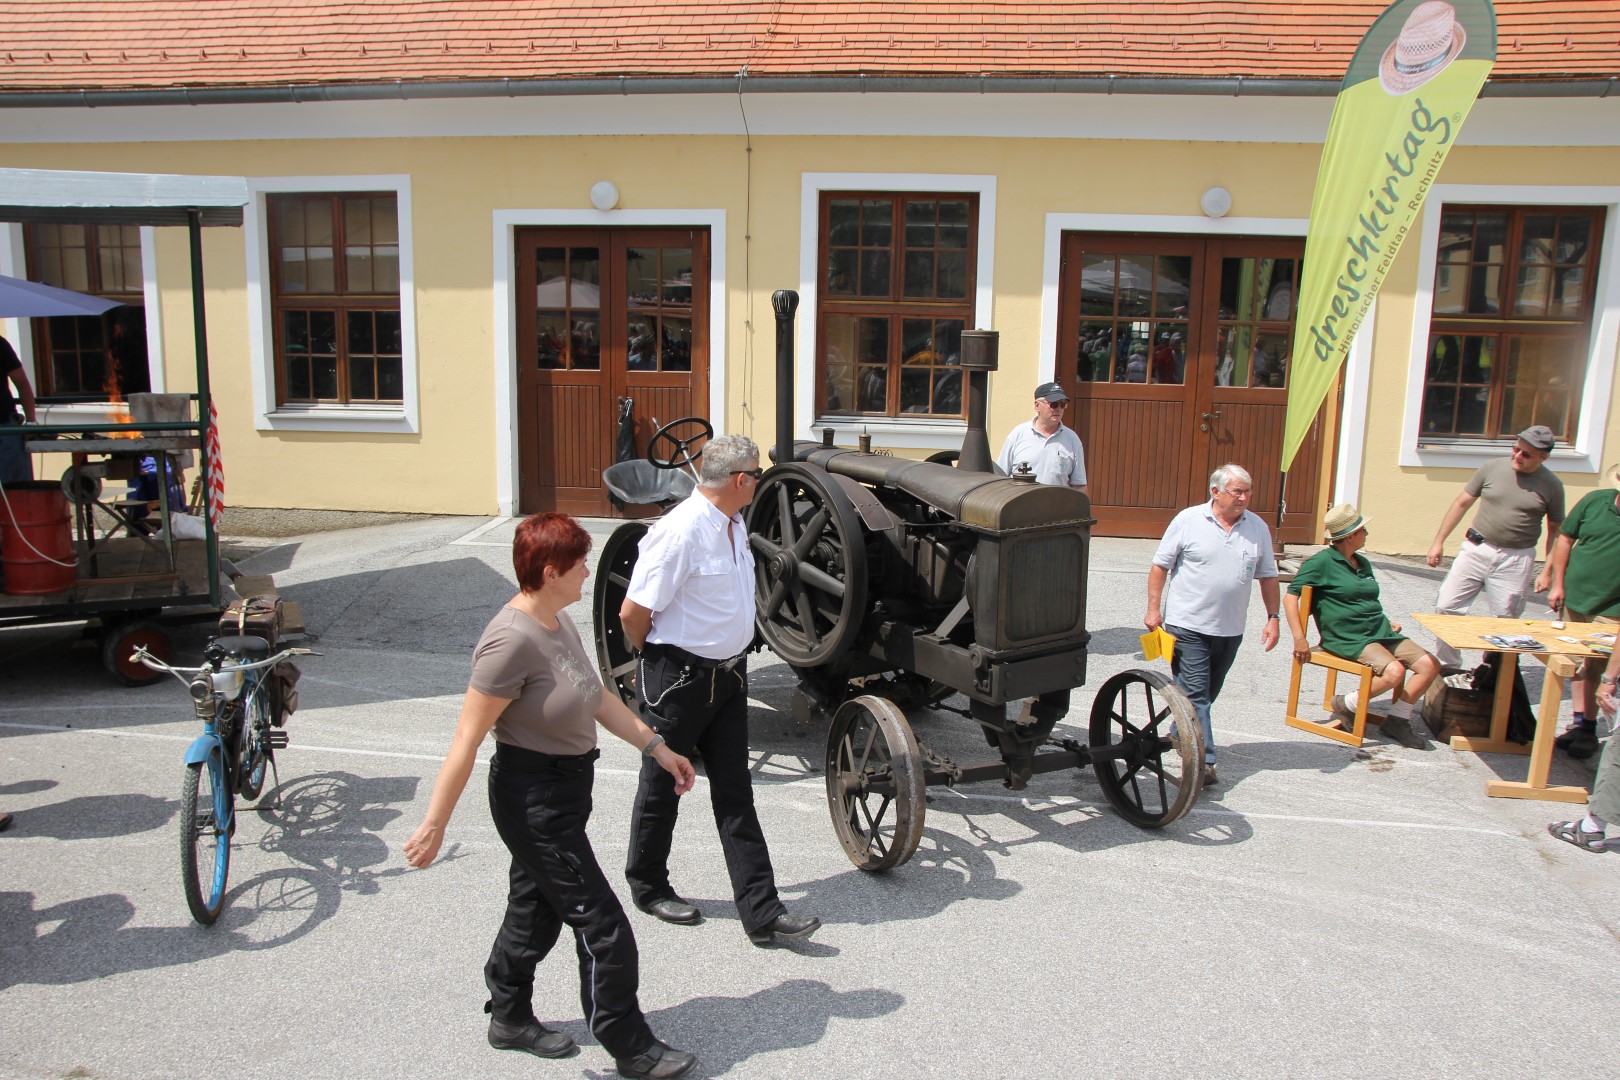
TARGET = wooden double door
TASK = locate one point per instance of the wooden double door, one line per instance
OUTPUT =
(1175, 353)
(604, 315)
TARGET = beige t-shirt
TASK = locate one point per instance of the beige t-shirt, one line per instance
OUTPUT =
(552, 685)
(1512, 504)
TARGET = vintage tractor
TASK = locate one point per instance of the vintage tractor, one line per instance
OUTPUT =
(889, 584)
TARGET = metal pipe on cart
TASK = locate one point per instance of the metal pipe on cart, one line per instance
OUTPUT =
(785, 302)
(199, 328)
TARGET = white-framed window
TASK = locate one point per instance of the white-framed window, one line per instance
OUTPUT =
(331, 303)
(20, 332)
(932, 431)
(1509, 326)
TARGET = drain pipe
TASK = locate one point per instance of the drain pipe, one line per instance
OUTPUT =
(785, 302)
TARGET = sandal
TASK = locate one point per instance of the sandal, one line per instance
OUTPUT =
(1571, 832)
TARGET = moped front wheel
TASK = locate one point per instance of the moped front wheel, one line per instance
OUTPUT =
(205, 842)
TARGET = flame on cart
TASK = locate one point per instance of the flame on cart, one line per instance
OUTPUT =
(116, 411)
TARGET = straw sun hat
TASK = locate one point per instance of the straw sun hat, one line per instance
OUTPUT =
(1429, 41)
(1341, 521)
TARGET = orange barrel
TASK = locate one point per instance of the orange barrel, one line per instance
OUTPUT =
(34, 531)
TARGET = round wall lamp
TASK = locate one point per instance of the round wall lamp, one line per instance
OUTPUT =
(1215, 202)
(604, 194)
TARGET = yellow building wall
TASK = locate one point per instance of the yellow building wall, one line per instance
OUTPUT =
(458, 184)
(1408, 502)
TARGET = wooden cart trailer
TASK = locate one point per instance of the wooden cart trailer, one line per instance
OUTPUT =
(126, 586)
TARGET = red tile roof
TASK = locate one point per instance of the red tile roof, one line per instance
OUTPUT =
(53, 45)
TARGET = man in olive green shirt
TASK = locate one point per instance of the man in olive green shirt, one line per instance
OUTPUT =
(1498, 555)
(1586, 585)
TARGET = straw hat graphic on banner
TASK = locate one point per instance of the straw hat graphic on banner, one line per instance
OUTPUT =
(1430, 40)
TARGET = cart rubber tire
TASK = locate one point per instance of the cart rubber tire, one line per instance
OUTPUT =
(119, 642)
(205, 849)
(1161, 778)
(875, 783)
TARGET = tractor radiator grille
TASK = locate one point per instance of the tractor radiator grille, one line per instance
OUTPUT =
(1044, 588)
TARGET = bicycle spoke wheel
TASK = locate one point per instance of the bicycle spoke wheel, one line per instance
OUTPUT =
(205, 846)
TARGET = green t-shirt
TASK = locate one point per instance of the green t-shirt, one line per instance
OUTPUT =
(1344, 600)
(1592, 578)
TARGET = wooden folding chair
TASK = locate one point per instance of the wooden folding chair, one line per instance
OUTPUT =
(1333, 666)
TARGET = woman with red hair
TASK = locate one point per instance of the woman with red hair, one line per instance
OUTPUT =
(534, 685)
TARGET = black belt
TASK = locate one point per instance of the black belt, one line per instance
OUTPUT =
(655, 650)
(521, 758)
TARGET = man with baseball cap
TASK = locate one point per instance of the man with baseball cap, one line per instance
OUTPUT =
(1498, 555)
(1044, 446)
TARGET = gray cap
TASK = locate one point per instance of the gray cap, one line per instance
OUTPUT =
(1051, 391)
(1540, 436)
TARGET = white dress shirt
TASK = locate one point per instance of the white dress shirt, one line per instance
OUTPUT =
(698, 585)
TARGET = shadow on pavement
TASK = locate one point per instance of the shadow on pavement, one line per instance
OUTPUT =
(95, 817)
(789, 1015)
(26, 787)
(1117, 641)
(327, 822)
(330, 821)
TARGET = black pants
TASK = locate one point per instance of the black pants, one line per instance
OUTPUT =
(541, 804)
(707, 709)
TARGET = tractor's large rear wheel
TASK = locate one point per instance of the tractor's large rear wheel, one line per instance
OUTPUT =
(809, 565)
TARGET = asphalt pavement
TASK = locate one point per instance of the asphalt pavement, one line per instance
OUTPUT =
(1325, 911)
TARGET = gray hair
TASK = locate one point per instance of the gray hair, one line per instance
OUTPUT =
(1228, 473)
(723, 456)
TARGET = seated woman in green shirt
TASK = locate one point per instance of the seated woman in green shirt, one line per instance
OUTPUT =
(1351, 621)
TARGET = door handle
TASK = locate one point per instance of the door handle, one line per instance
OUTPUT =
(1206, 418)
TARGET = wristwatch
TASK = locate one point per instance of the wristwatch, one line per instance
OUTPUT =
(1606, 679)
(1274, 615)
(657, 741)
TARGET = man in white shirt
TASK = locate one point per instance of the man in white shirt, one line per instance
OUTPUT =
(1210, 554)
(690, 612)
(1045, 446)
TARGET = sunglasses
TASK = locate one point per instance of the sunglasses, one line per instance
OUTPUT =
(755, 473)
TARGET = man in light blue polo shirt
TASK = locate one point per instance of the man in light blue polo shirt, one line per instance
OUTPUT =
(1045, 446)
(1211, 554)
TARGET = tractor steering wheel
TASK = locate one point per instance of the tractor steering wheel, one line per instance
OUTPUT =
(681, 454)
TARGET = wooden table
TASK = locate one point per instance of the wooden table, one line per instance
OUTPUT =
(1563, 660)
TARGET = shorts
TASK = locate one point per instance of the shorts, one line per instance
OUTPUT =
(1593, 667)
(1378, 655)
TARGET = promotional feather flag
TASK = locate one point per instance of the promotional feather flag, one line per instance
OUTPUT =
(1408, 90)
